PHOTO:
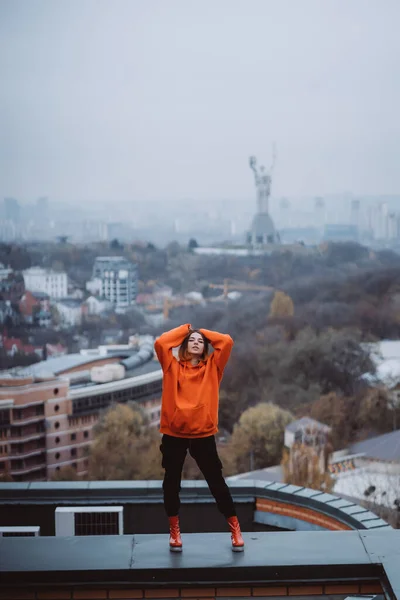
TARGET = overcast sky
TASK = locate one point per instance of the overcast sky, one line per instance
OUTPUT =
(124, 100)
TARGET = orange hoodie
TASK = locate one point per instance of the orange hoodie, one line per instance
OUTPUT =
(190, 392)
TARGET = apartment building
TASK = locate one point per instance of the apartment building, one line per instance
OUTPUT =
(26, 408)
(115, 279)
(50, 282)
(47, 413)
(69, 311)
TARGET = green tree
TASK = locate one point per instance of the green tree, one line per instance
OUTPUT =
(192, 244)
(257, 439)
(115, 244)
(124, 446)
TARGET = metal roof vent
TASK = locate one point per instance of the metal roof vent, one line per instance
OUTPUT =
(20, 531)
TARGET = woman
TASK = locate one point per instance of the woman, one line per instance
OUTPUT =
(189, 419)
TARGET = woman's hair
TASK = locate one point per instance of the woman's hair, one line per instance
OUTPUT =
(184, 353)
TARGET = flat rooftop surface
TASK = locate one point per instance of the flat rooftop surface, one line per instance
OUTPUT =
(206, 558)
(59, 364)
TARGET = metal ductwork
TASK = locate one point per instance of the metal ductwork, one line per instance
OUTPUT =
(143, 355)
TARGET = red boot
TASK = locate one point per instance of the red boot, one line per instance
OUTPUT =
(175, 540)
(236, 534)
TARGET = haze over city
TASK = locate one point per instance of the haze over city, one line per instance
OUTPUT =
(200, 281)
(114, 104)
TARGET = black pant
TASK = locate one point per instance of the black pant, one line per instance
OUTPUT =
(204, 451)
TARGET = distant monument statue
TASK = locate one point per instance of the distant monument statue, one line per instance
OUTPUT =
(262, 228)
(263, 184)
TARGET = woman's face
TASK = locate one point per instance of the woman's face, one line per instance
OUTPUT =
(196, 344)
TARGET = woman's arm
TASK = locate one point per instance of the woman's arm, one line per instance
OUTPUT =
(168, 340)
(222, 344)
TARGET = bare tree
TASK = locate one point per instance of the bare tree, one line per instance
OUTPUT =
(302, 466)
(376, 486)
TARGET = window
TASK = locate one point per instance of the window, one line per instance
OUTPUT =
(57, 440)
(85, 434)
(56, 424)
(17, 464)
(73, 436)
(4, 417)
(73, 451)
(57, 455)
(57, 407)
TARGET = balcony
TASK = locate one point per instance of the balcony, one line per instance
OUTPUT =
(30, 469)
(26, 454)
(28, 465)
(26, 437)
(27, 420)
(20, 430)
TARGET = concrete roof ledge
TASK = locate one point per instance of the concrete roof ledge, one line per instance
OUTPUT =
(243, 491)
(207, 560)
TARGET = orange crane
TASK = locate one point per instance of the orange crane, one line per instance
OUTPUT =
(166, 306)
(171, 303)
(226, 286)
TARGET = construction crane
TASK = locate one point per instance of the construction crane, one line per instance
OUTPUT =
(226, 286)
(166, 306)
(172, 303)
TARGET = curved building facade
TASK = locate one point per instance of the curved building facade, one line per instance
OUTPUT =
(48, 412)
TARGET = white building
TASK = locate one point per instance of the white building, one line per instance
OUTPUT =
(43, 280)
(386, 357)
(4, 272)
(70, 311)
(306, 431)
(94, 286)
(96, 306)
(369, 472)
(119, 280)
